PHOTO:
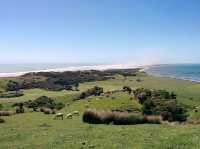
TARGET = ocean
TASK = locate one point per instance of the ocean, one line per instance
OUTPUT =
(180, 71)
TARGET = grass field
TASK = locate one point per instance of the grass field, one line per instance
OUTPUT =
(38, 131)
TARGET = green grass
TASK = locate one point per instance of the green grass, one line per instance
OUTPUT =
(27, 130)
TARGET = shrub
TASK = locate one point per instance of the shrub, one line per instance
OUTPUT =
(127, 89)
(20, 107)
(163, 94)
(96, 91)
(169, 110)
(2, 120)
(142, 94)
(13, 86)
(59, 106)
(138, 80)
(44, 101)
(11, 94)
(83, 95)
(19, 110)
(142, 97)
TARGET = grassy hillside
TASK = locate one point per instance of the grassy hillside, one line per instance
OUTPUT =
(36, 130)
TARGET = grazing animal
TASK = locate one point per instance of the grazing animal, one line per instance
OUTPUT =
(76, 113)
(69, 116)
(59, 115)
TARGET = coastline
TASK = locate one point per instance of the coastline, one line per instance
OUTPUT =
(100, 68)
(72, 68)
(171, 77)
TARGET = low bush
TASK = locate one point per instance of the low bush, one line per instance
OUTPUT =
(118, 118)
(19, 110)
(11, 94)
(96, 91)
(169, 110)
(163, 94)
(13, 86)
(59, 106)
(20, 107)
(160, 102)
(46, 102)
(2, 120)
(127, 89)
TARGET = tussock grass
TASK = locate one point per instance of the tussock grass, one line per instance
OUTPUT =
(7, 112)
(118, 118)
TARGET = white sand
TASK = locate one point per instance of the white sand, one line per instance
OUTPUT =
(81, 68)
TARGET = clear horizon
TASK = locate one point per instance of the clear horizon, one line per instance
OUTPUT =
(106, 32)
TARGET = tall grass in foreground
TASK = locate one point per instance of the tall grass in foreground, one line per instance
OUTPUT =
(118, 118)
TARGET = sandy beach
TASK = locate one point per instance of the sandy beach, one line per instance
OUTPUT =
(74, 68)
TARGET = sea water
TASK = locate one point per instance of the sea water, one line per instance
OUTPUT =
(180, 71)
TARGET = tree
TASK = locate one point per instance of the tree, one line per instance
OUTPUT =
(76, 85)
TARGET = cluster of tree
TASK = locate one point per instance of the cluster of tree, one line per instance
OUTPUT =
(29, 84)
(161, 102)
(95, 91)
(11, 94)
(123, 72)
(65, 80)
(44, 102)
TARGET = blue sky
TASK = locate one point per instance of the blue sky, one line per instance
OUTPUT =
(100, 31)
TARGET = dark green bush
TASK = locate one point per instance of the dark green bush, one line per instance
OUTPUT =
(13, 86)
(44, 101)
(163, 94)
(20, 107)
(59, 106)
(11, 94)
(96, 91)
(168, 109)
(127, 89)
(160, 102)
(2, 120)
